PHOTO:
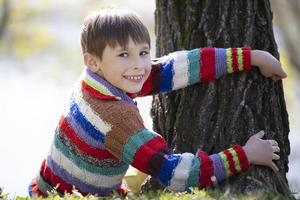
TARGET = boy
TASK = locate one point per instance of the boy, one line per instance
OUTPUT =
(102, 133)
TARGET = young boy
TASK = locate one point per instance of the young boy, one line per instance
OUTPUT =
(102, 133)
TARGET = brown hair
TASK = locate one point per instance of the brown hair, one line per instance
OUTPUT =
(111, 26)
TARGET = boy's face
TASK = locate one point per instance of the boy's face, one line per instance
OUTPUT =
(127, 68)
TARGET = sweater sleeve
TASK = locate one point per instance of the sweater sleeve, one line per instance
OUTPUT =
(183, 68)
(147, 151)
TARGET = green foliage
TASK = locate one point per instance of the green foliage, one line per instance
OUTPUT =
(26, 32)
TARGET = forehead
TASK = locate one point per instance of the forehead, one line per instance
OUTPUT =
(130, 44)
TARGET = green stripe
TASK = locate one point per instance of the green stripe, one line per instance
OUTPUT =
(226, 164)
(236, 160)
(193, 179)
(134, 142)
(91, 83)
(240, 59)
(229, 60)
(44, 186)
(86, 166)
(194, 66)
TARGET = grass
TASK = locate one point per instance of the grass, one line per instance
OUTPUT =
(195, 194)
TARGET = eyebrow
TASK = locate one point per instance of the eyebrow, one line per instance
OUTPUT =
(119, 48)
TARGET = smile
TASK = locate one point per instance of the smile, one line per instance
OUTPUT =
(134, 78)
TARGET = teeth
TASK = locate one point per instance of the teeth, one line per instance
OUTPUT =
(134, 77)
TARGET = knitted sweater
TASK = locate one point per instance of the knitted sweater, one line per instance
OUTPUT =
(102, 132)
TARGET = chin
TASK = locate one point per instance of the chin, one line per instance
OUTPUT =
(134, 90)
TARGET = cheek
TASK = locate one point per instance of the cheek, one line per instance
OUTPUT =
(148, 66)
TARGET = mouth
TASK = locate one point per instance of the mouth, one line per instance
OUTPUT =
(134, 78)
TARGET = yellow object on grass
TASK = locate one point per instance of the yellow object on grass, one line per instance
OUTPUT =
(134, 179)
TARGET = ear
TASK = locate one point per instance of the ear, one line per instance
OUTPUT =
(92, 62)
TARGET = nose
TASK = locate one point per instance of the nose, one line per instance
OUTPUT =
(138, 63)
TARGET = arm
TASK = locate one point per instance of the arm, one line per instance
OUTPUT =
(131, 143)
(183, 68)
(148, 152)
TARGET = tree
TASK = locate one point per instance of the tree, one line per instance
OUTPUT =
(4, 16)
(215, 116)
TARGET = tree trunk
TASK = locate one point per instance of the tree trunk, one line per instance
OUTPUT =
(215, 116)
(4, 15)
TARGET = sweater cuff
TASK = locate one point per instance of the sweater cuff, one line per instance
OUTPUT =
(244, 162)
(238, 59)
(234, 161)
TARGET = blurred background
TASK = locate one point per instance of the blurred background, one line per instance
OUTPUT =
(40, 59)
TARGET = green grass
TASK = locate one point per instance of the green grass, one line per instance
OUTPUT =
(195, 194)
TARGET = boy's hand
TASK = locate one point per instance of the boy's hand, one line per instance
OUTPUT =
(262, 152)
(268, 65)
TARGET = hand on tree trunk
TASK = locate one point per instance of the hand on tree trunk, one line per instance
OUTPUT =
(262, 152)
(268, 65)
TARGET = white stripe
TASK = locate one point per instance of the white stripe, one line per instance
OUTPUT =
(181, 173)
(96, 180)
(180, 66)
(90, 115)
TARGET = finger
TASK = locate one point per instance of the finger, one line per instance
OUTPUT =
(273, 142)
(276, 149)
(273, 167)
(276, 78)
(281, 74)
(260, 134)
(275, 157)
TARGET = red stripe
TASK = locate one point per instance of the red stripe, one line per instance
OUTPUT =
(242, 157)
(56, 181)
(156, 77)
(234, 55)
(230, 161)
(148, 86)
(81, 145)
(96, 93)
(146, 151)
(246, 51)
(152, 84)
(206, 170)
(208, 71)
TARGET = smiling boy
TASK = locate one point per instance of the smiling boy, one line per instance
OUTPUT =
(102, 132)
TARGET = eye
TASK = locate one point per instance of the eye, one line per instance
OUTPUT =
(143, 53)
(124, 54)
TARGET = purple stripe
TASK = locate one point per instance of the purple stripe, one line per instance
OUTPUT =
(220, 62)
(219, 169)
(84, 187)
(115, 91)
(82, 134)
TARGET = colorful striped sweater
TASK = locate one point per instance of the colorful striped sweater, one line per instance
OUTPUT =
(102, 132)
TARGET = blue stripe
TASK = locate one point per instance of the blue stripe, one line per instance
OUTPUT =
(166, 172)
(219, 169)
(70, 179)
(82, 134)
(167, 72)
(85, 124)
(30, 190)
(194, 66)
(220, 57)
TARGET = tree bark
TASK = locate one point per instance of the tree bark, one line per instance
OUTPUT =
(215, 116)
